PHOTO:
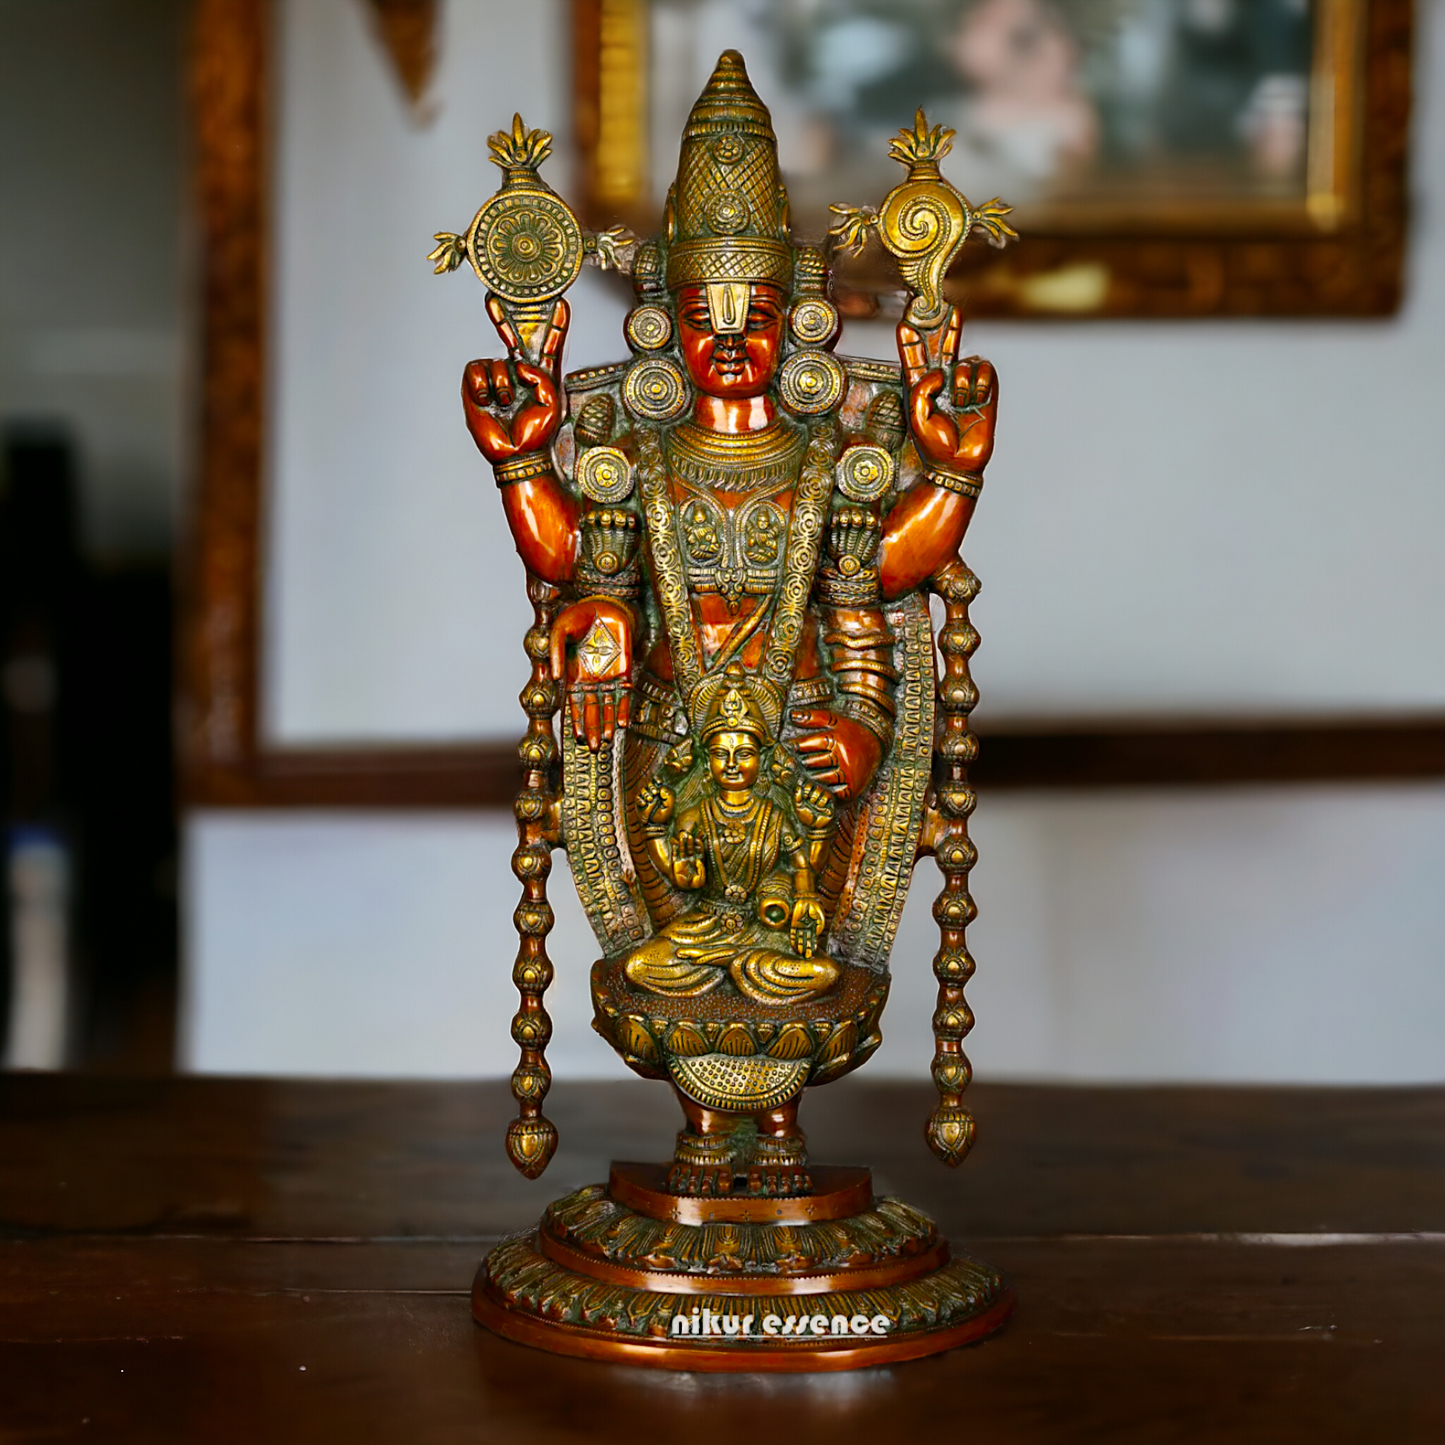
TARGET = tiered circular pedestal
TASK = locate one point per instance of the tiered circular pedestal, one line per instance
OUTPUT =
(831, 1280)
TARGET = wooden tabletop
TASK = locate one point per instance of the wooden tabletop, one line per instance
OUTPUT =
(237, 1260)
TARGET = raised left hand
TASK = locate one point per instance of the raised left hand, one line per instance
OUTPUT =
(952, 407)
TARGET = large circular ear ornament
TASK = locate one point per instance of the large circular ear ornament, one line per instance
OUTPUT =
(605, 474)
(813, 322)
(655, 390)
(649, 328)
(864, 473)
(525, 245)
(811, 382)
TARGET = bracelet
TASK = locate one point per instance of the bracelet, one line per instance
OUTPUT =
(835, 590)
(523, 468)
(966, 484)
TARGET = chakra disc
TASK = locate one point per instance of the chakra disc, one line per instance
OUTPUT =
(604, 474)
(526, 245)
(649, 328)
(811, 382)
(655, 390)
(864, 473)
(813, 322)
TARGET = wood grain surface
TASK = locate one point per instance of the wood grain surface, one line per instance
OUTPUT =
(1191, 1264)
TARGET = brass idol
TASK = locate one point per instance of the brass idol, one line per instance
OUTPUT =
(730, 540)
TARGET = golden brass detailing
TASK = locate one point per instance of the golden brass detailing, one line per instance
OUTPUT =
(727, 212)
(966, 484)
(837, 1030)
(655, 390)
(596, 849)
(811, 382)
(924, 221)
(649, 328)
(865, 473)
(521, 1278)
(751, 853)
(735, 462)
(891, 816)
(525, 244)
(813, 322)
(722, 1081)
(730, 540)
(531, 1137)
(519, 469)
(596, 418)
(595, 1227)
(727, 306)
(950, 1126)
(604, 474)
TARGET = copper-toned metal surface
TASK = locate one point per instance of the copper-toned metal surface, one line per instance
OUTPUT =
(860, 1277)
(819, 1358)
(838, 1191)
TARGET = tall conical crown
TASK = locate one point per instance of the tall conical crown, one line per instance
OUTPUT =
(727, 211)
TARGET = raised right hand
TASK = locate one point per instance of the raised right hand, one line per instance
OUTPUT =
(491, 388)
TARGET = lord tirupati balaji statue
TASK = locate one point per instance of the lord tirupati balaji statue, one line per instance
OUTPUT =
(730, 541)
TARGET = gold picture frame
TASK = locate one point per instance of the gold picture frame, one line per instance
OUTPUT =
(1333, 245)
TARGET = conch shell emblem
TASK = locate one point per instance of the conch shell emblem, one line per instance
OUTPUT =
(924, 220)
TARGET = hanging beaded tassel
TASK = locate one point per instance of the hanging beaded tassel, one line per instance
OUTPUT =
(531, 1136)
(950, 1127)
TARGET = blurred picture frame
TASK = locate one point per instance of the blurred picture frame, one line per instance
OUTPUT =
(1287, 266)
(1169, 158)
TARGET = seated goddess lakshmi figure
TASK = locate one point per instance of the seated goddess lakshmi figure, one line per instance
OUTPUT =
(757, 923)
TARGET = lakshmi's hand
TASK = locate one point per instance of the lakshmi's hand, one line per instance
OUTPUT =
(813, 805)
(807, 927)
(840, 753)
(598, 671)
(952, 406)
(687, 859)
(655, 804)
(491, 389)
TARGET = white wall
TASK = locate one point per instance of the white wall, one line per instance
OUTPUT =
(1130, 563)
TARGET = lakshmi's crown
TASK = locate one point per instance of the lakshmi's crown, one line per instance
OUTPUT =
(727, 211)
(734, 708)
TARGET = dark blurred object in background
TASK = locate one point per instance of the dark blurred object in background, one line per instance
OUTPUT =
(85, 677)
(93, 413)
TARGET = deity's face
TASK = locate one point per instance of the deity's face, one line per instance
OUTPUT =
(734, 760)
(731, 355)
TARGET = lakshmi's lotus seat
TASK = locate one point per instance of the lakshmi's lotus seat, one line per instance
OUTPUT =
(729, 1051)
